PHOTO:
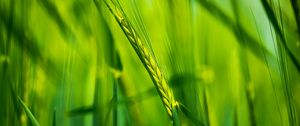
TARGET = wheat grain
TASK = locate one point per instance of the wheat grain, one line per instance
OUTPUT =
(157, 76)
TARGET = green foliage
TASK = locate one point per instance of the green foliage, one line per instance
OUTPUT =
(161, 63)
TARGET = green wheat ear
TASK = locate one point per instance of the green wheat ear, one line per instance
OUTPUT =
(147, 59)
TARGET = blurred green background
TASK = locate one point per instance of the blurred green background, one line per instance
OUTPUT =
(229, 62)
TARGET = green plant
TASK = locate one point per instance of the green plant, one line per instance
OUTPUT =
(145, 56)
(149, 62)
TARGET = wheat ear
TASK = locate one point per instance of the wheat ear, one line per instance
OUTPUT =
(157, 76)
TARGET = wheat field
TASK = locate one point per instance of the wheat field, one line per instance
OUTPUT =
(149, 62)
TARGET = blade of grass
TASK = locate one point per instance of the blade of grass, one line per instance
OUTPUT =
(29, 114)
(269, 72)
(275, 24)
(282, 41)
(251, 43)
(286, 72)
(245, 69)
(129, 102)
(108, 50)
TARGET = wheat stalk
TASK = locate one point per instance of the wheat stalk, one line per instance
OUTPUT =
(157, 76)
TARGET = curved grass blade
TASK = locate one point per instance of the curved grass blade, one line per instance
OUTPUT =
(269, 73)
(29, 114)
(251, 43)
(275, 24)
(272, 17)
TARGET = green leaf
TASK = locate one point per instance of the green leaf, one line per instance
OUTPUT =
(29, 113)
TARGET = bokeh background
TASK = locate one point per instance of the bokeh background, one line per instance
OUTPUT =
(229, 62)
